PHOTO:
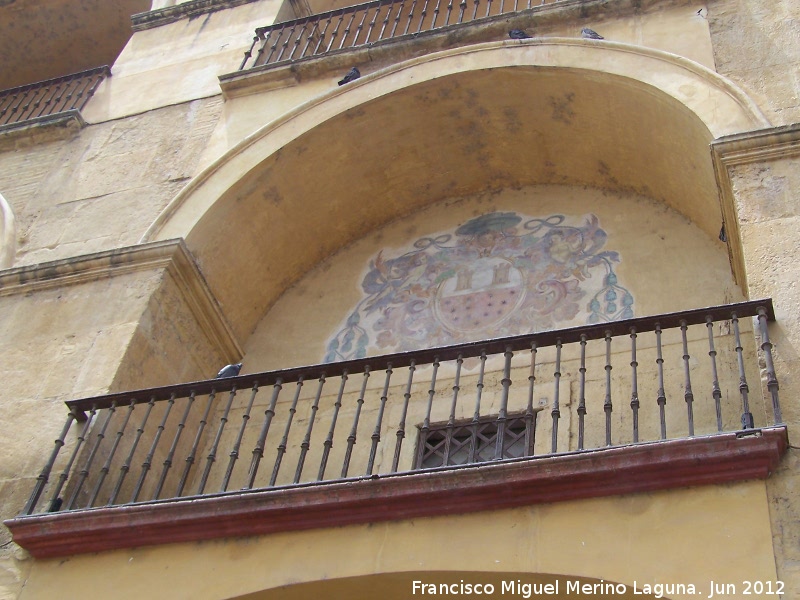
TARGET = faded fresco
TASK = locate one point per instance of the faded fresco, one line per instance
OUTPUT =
(499, 274)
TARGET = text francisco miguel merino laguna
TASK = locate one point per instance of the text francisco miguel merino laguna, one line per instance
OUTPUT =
(528, 590)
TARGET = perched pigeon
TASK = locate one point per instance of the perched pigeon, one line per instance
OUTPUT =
(55, 505)
(229, 371)
(722, 235)
(352, 75)
(518, 34)
(591, 34)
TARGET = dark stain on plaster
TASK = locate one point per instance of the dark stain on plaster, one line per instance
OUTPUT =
(562, 108)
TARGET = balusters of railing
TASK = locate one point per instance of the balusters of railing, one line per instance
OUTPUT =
(87, 467)
(422, 14)
(401, 427)
(347, 29)
(410, 16)
(744, 390)
(44, 476)
(462, 6)
(661, 398)
(582, 395)
(376, 434)
(286, 41)
(351, 439)
(193, 452)
(285, 439)
(488, 7)
(15, 107)
(328, 443)
(772, 379)
(530, 415)
(276, 40)
(212, 454)
(556, 411)
(171, 452)
(400, 8)
(309, 38)
(607, 405)
(306, 444)
(634, 387)
(716, 392)
(148, 461)
(475, 10)
(107, 465)
(126, 466)
(436, 13)
(688, 395)
(502, 413)
(249, 52)
(258, 451)
(449, 12)
(473, 443)
(335, 32)
(322, 34)
(502, 7)
(426, 422)
(62, 101)
(297, 39)
(371, 24)
(451, 421)
(234, 454)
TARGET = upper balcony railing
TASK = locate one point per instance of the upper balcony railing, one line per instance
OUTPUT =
(676, 376)
(50, 97)
(368, 23)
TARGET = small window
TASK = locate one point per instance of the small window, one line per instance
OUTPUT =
(470, 441)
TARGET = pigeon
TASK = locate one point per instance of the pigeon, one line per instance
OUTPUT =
(518, 34)
(229, 371)
(591, 34)
(352, 75)
(722, 235)
(55, 505)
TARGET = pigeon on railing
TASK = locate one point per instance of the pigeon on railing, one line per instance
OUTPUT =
(591, 34)
(229, 371)
(518, 34)
(352, 75)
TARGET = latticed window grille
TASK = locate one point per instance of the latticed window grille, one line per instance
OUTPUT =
(471, 441)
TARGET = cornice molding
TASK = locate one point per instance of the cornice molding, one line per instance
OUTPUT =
(170, 255)
(171, 14)
(710, 460)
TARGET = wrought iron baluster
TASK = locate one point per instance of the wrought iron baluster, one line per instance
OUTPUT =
(148, 461)
(328, 443)
(351, 439)
(607, 405)
(423, 13)
(744, 390)
(475, 10)
(396, 23)
(306, 444)
(286, 43)
(451, 421)
(410, 16)
(335, 32)
(556, 412)
(359, 28)
(171, 453)
(285, 439)
(435, 14)
(716, 393)
(449, 12)
(234, 454)
(582, 395)
(772, 379)
(249, 52)
(502, 413)
(322, 34)
(347, 29)
(462, 6)
(401, 428)
(371, 24)
(274, 44)
(298, 38)
(262, 48)
(84, 473)
(309, 38)
(193, 452)
(212, 454)
(476, 417)
(661, 399)
(258, 451)
(376, 434)
(530, 415)
(488, 7)
(44, 475)
(634, 387)
(688, 395)
(107, 465)
(126, 466)
(426, 423)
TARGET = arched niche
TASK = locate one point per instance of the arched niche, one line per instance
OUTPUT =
(494, 116)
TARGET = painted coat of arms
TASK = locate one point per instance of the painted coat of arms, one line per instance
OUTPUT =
(499, 274)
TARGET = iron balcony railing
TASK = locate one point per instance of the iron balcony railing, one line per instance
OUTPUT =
(368, 23)
(50, 97)
(664, 377)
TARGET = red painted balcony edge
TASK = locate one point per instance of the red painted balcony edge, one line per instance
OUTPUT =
(688, 462)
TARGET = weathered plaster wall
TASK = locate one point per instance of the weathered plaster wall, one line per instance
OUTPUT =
(755, 45)
(566, 538)
(102, 187)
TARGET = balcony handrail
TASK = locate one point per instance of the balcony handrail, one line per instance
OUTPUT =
(50, 96)
(503, 425)
(322, 33)
(474, 349)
